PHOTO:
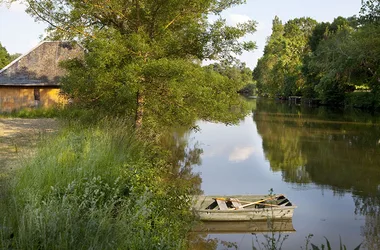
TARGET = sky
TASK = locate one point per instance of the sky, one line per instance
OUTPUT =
(19, 33)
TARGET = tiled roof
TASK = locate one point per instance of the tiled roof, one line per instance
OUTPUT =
(40, 66)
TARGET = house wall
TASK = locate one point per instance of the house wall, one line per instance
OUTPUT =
(15, 98)
(32, 80)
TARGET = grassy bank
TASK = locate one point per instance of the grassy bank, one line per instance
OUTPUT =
(33, 113)
(94, 188)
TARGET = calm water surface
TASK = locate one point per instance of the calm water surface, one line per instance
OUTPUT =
(327, 162)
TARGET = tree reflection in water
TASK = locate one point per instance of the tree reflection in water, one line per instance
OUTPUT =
(171, 134)
(331, 148)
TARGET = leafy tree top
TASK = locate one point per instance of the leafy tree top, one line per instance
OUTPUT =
(170, 28)
(370, 11)
(4, 57)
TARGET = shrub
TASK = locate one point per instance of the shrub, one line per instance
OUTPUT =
(360, 100)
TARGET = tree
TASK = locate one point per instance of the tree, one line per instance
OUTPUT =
(280, 68)
(14, 56)
(143, 50)
(297, 33)
(370, 11)
(4, 57)
(344, 58)
(237, 72)
(267, 80)
(331, 66)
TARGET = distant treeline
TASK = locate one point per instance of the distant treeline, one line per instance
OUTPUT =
(336, 62)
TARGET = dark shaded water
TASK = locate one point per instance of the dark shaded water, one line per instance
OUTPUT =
(326, 161)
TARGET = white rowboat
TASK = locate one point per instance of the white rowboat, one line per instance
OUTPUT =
(243, 207)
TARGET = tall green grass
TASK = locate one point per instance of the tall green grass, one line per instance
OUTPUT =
(33, 113)
(95, 188)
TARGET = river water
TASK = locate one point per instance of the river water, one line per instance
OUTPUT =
(326, 161)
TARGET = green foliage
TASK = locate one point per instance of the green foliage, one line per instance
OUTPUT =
(14, 56)
(177, 28)
(370, 11)
(343, 60)
(143, 58)
(101, 187)
(238, 73)
(176, 92)
(248, 90)
(364, 100)
(320, 32)
(335, 59)
(97, 188)
(5, 58)
(35, 113)
(278, 72)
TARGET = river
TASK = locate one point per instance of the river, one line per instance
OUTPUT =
(326, 161)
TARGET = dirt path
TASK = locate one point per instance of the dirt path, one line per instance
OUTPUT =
(18, 138)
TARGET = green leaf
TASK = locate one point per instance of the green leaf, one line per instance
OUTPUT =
(328, 244)
(358, 247)
(314, 247)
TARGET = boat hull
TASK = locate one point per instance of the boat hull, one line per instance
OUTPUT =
(243, 214)
(246, 214)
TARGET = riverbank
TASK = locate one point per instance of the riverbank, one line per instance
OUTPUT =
(96, 187)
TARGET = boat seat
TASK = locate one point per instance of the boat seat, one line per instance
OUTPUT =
(236, 203)
(284, 202)
(222, 204)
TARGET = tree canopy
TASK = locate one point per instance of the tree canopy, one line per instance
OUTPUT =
(278, 72)
(328, 61)
(159, 28)
(143, 56)
(370, 11)
(4, 57)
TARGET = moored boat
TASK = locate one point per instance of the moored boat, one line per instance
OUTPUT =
(243, 207)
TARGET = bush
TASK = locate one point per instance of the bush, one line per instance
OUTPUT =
(95, 188)
(360, 100)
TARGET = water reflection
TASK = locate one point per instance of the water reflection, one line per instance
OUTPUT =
(218, 227)
(182, 157)
(169, 128)
(327, 161)
(335, 150)
(241, 154)
(270, 233)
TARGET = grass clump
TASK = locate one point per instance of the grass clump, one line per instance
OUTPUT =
(95, 188)
(52, 112)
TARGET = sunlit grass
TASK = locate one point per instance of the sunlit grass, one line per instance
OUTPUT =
(94, 188)
(51, 112)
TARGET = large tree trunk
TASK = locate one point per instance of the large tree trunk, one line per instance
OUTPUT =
(139, 109)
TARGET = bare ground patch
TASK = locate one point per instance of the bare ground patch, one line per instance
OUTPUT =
(18, 139)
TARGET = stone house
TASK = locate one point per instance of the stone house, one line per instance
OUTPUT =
(32, 80)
